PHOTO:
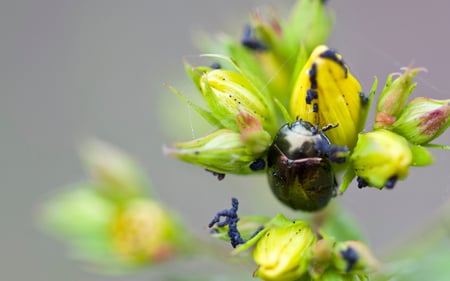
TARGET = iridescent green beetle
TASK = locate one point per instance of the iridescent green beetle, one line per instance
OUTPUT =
(299, 166)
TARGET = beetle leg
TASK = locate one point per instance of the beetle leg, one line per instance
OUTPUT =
(329, 126)
(335, 153)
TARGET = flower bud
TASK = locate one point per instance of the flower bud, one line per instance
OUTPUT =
(229, 93)
(423, 120)
(354, 256)
(143, 232)
(381, 157)
(326, 93)
(312, 21)
(252, 134)
(222, 151)
(283, 252)
(117, 175)
(394, 97)
(80, 214)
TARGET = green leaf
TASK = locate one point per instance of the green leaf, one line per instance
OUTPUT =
(287, 117)
(341, 225)
(439, 146)
(347, 180)
(208, 116)
(366, 108)
(421, 156)
(78, 213)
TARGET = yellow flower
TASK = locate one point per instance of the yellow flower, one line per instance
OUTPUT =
(229, 93)
(283, 252)
(326, 93)
(144, 231)
(381, 157)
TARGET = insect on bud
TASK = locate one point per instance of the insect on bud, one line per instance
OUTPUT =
(327, 93)
(222, 151)
(354, 256)
(380, 158)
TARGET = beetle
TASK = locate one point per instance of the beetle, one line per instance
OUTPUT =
(299, 166)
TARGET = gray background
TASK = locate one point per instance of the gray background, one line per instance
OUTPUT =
(71, 70)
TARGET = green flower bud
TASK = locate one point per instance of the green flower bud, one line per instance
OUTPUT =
(284, 251)
(229, 93)
(394, 96)
(322, 250)
(116, 174)
(79, 215)
(252, 134)
(423, 120)
(381, 157)
(312, 22)
(326, 93)
(222, 151)
(144, 232)
(354, 257)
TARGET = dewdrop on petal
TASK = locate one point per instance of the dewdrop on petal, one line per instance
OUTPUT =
(326, 93)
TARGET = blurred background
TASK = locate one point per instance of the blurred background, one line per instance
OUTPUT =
(73, 70)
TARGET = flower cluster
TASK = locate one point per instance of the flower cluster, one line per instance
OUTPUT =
(287, 249)
(279, 74)
(282, 102)
(279, 102)
(402, 131)
(111, 222)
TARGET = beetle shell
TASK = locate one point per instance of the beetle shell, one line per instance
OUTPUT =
(299, 174)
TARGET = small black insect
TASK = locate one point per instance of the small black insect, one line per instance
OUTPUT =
(315, 107)
(310, 95)
(220, 176)
(215, 65)
(313, 76)
(231, 219)
(332, 55)
(299, 166)
(250, 41)
(351, 256)
(258, 165)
